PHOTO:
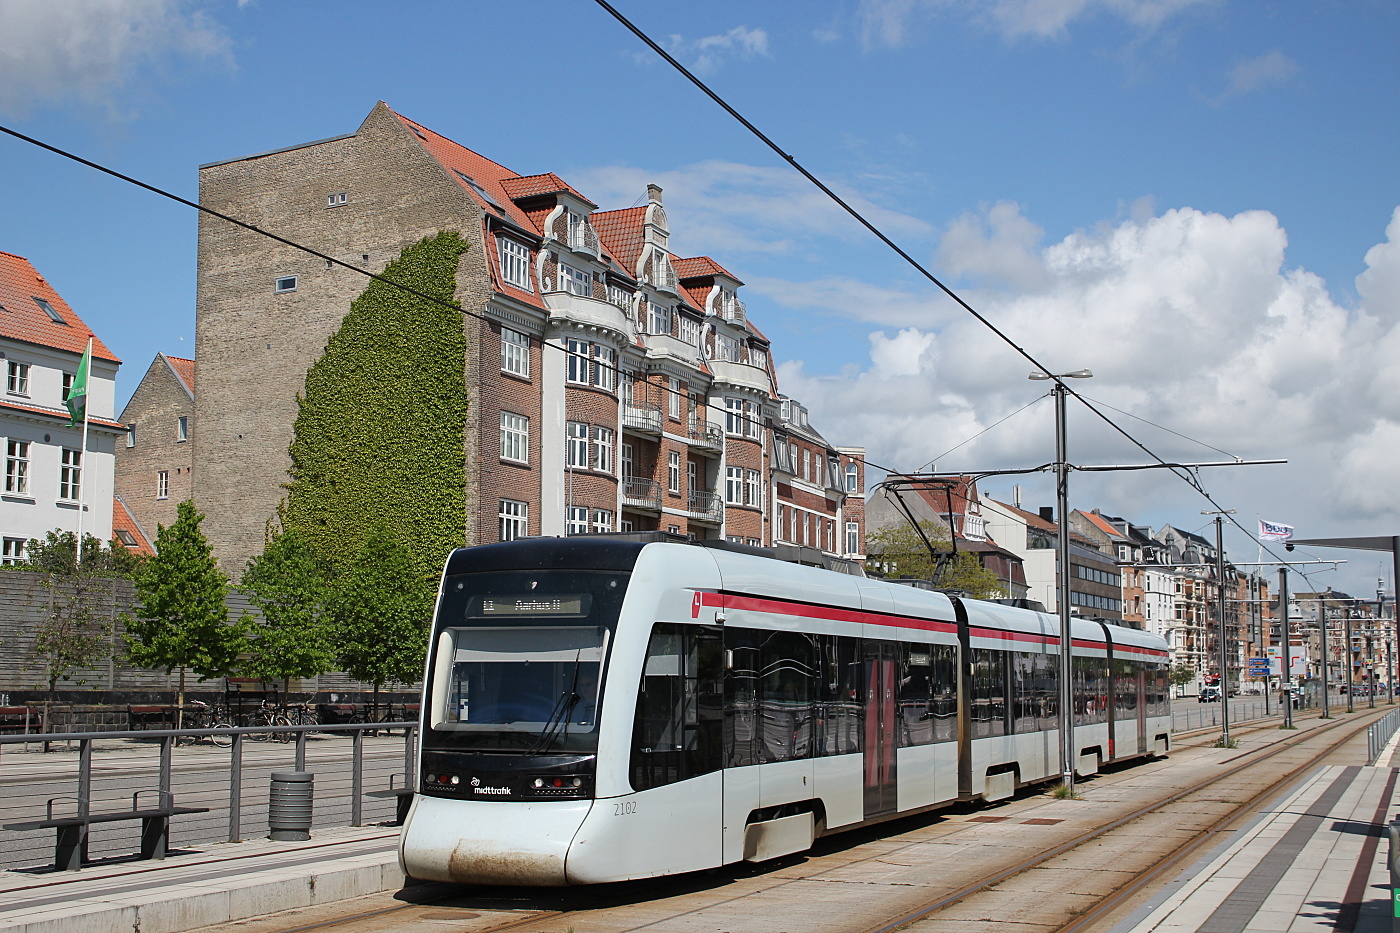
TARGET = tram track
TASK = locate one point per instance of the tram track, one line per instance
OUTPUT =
(616, 908)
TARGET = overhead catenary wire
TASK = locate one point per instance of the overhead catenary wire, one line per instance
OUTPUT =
(1182, 473)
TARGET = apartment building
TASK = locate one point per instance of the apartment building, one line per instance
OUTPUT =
(155, 460)
(52, 481)
(613, 385)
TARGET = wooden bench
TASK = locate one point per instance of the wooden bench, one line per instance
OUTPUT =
(70, 850)
(144, 717)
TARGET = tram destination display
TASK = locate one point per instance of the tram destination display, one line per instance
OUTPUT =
(532, 605)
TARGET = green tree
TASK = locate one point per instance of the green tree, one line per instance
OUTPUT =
(76, 630)
(289, 584)
(899, 551)
(57, 554)
(181, 617)
(380, 609)
(380, 432)
(1181, 674)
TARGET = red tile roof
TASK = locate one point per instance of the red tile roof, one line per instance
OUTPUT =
(22, 319)
(59, 414)
(123, 520)
(697, 266)
(182, 368)
(1098, 522)
(621, 234)
(529, 186)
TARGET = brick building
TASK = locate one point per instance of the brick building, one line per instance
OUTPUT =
(49, 476)
(155, 461)
(613, 386)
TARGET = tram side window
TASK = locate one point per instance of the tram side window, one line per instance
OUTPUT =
(676, 732)
(928, 694)
(989, 705)
(1090, 690)
(1158, 679)
(789, 662)
(1125, 690)
(839, 713)
(1034, 691)
(742, 726)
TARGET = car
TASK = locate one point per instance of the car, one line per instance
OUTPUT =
(1209, 695)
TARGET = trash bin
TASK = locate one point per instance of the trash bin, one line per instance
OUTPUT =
(289, 805)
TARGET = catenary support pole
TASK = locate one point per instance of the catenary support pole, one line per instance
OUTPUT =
(1285, 670)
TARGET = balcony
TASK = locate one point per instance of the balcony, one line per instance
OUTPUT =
(742, 375)
(707, 439)
(733, 310)
(706, 507)
(583, 238)
(641, 494)
(663, 276)
(579, 309)
(642, 419)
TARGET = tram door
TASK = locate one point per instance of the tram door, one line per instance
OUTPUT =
(1141, 671)
(881, 723)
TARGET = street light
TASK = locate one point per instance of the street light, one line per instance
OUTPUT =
(1067, 754)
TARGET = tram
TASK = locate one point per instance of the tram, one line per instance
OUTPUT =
(600, 709)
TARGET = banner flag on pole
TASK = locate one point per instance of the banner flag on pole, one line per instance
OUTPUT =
(1274, 531)
(76, 399)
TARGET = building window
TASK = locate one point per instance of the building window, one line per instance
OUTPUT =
(734, 485)
(515, 437)
(673, 398)
(603, 450)
(673, 471)
(514, 519)
(578, 520)
(17, 378)
(692, 474)
(602, 521)
(336, 199)
(626, 461)
(163, 484)
(575, 281)
(131, 435)
(67, 385)
(659, 320)
(625, 526)
(734, 416)
(515, 353)
(17, 467)
(287, 283)
(182, 429)
(852, 478)
(852, 538)
(806, 522)
(626, 387)
(726, 348)
(12, 551)
(753, 493)
(515, 263)
(577, 366)
(758, 357)
(619, 296)
(690, 330)
(576, 446)
(605, 368)
(49, 310)
(70, 474)
(673, 529)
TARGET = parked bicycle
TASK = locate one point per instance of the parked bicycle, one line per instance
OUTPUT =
(200, 715)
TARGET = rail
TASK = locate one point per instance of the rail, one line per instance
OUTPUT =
(358, 767)
(1378, 736)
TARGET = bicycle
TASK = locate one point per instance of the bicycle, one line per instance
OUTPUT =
(270, 717)
(203, 716)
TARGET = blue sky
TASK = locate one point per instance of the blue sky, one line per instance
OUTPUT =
(1177, 194)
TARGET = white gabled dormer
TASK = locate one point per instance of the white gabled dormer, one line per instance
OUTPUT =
(654, 261)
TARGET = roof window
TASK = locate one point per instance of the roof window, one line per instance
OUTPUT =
(126, 537)
(49, 310)
(287, 283)
(479, 190)
(336, 199)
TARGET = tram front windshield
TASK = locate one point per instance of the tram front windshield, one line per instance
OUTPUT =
(520, 660)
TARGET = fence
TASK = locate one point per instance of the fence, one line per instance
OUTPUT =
(1378, 736)
(357, 767)
(1209, 714)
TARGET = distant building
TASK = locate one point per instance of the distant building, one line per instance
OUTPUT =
(614, 385)
(48, 475)
(155, 460)
(1095, 585)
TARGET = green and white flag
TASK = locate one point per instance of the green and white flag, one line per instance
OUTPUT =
(77, 394)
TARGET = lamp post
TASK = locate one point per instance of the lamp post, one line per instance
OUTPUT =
(1322, 633)
(1285, 672)
(1067, 753)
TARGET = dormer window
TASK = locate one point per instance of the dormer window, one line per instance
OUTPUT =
(758, 357)
(726, 348)
(515, 263)
(658, 319)
(575, 281)
(336, 199)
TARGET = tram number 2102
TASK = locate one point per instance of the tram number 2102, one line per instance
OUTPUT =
(625, 808)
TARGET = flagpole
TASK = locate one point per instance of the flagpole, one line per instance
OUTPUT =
(82, 462)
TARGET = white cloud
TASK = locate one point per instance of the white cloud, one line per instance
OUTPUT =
(729, 208)
(1268, 70)
(87, 50)
(998, 246)
(705, 55)
(856, 300)
(889, 22)
(1188, 319)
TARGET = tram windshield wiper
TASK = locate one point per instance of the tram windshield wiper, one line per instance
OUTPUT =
(559, 715)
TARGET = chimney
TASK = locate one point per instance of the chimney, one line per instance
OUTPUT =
(1016, 496)
(653, 194)
(1047, 512)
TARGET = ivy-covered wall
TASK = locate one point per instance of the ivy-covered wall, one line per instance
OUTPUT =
(380, 431)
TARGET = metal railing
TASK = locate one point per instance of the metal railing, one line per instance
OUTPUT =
(1378, 735)
(357, 770)
(644, 418)
(707, 435)
(641, 493)
(706, 506)
(583, 237)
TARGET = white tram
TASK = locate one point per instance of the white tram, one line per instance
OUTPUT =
(598, 709)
